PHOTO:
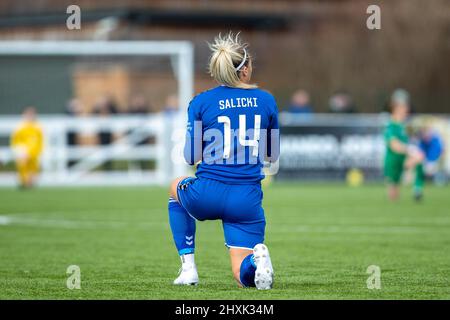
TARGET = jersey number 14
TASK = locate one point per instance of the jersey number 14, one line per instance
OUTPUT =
(253, 143)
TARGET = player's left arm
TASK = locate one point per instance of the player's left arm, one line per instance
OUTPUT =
(194, 136)
(19, 149)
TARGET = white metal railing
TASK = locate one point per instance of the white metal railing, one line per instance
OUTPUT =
(64, 164)
(326, 124)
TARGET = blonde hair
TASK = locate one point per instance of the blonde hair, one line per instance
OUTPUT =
(228, 57)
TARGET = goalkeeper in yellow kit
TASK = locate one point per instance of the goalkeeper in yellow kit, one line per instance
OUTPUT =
(27, 143)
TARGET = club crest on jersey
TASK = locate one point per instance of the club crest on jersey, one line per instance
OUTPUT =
(250, 102)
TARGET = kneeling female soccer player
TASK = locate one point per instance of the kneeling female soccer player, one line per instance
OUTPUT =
(231, 129)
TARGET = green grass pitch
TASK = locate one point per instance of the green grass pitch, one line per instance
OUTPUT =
(322, 239)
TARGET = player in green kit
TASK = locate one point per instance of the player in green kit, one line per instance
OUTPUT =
(399, 153)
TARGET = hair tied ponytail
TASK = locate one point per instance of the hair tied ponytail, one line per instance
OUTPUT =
(228, 56)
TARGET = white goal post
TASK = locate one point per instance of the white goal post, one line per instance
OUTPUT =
(56, 171)
(182, 53)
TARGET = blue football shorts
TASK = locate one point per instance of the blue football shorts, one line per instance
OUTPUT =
(237, 205)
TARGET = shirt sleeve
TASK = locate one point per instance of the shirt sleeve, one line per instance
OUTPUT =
(193, 144)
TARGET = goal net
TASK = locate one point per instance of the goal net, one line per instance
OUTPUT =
(112, 112)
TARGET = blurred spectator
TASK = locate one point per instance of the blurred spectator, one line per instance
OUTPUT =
(300, 102)
(341, 102)
(138, 105)
(105, 107)
(73, 108)
(171, 106)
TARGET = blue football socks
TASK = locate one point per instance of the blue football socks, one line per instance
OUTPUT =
(183, 228)
(247, 271)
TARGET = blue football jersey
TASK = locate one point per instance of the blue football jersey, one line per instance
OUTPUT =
(232, 131)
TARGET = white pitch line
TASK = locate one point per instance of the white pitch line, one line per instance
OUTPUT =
(35, 221)
(75, 224)
(358, 229)
(4, 220)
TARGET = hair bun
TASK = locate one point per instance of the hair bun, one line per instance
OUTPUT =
(228, 52)
(222, 48)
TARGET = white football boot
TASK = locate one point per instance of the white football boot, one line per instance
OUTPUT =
(264, 270)
(188, 275)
